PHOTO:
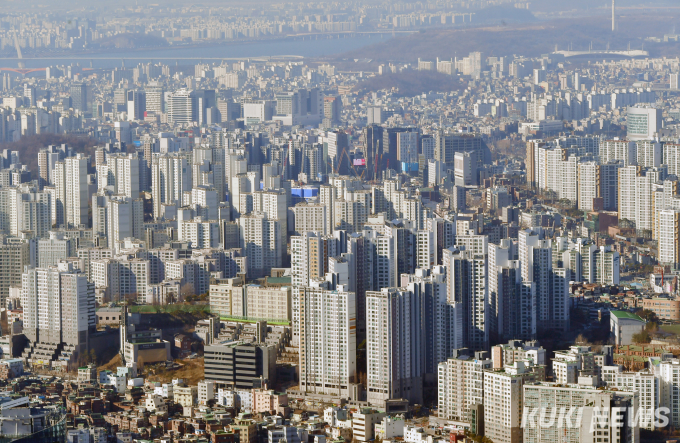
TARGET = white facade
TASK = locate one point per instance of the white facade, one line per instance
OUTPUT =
(597, 414)
(502, 402)
(643, 122)
(170, 178)
(669, 237)
(201, 233)
(310, 217)
(627, 193)
(260, 239)
(460, 384)
(623, 150)
(394, 344)
(125, 219)
(121, 172)
(327, 341)
(58, 305)
(467, 290)
(206, 391)
(71, 191)
(647, 387)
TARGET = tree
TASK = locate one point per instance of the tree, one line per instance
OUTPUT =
(93, 356)
(186, 290)
(642, 337)
(582, 340)
(131, 298)
(648, 315)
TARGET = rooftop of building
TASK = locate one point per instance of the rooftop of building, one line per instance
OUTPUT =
(627, 315)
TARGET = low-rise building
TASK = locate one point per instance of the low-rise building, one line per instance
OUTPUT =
(363, 423)
(623, 325)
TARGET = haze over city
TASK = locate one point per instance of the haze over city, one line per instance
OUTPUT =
(385, 221)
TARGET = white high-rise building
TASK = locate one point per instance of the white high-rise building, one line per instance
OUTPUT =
(425, 249)
(327, 330)
(327, 199)
(535, 256)
(307, 252)
(121, 277)
(599, 411)
(351, 212)
(170, 178)
(201, 233)
(260, 239)
(627, 182)
(206, 202)
(460, 384)
(310, 217)
(647, 387)
(394, 344)
(623, 150)
(643, 122)
(512, 302)
(671, 158)
(664, 196)
(25, 209)
(240, 187)
(645, 184)
(182, 107)
(272, 202)
(56, 248)
(407, 147)
(668, 373)
(58, 304)
(14, 256)
(443, 321)
(568, 175)
(70, 180)
(121, 173)
(669, 237)
(125, 219)
(155, 100)
(607, 266)
(503, 400)
(382, 255)
(467, 290)
(649, 153)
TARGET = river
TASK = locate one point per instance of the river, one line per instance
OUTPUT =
(310, 47)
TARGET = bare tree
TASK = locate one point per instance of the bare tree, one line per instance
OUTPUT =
(131, 298)
(186, 290)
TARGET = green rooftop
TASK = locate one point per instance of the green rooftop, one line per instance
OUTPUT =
(626, 314)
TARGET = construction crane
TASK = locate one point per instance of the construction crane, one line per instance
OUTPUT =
(344, 152)
(375, 167)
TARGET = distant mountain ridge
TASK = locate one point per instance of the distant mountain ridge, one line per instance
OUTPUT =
(528, 39)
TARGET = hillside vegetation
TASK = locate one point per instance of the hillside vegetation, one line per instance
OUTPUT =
(410, 83)
(29, 147)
